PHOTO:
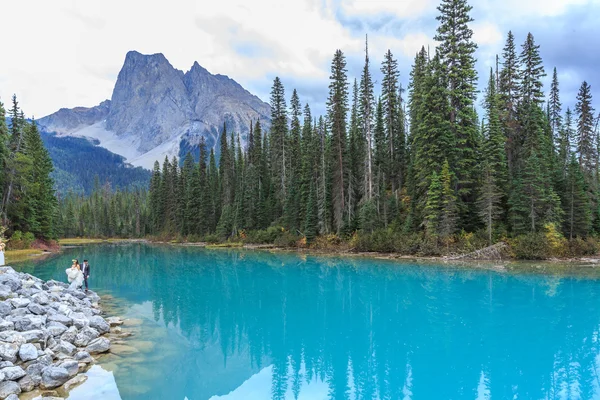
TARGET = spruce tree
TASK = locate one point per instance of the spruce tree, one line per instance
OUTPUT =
(356, 161)
(555, 109)
(394, 131)
(292, 208)
(532, 73)
(494, 167)
(380, 162)
(448, 204)
(434, 140)
(4, 137)
(155, 199)
(366, 115)
(585, 134)
(509, 94)
(567, 134)
(457, 54)
(337, 108)
(278, 142)
(577, 205)
(431, 212)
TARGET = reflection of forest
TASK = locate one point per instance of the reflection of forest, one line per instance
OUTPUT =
(385, 330)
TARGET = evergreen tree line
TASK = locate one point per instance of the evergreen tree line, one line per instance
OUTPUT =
(429, 164)
(28, 203)
(104, 213)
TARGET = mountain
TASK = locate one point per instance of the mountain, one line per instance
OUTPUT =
(157, 111)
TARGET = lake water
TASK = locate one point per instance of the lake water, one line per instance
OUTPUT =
(228, 324)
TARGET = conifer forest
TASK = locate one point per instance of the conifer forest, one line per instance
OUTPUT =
(432, 169)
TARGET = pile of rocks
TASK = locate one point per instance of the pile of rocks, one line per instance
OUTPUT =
(48, 333)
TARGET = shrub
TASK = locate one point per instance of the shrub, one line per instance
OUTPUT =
(287, 239)
(533, 246)
(408, 243)
(557, 243)
(212, 238)
(326, 242)
(579, 247)
(28, 239)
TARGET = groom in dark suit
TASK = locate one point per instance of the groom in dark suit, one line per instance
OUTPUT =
(85, 269)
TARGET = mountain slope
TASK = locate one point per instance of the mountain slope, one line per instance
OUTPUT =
(78, 162)
(157, 111)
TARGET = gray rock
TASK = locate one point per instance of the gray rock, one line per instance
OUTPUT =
(19, 302)
(8, 388)
(34, 336)
(77, 294)
(69, 335)
(34, 371)
(4, 364)
(12, 337)
(76, 381)
(37, 309)
(8, 351)
(26, 383)
(6, 325)
(11, 281)
(114, 321)
(56, 328)
(41, 298)
(13, 397)
(5, 308)
(51, 342)
(53, 377)
(64, 309)
(28, 352)
(84, 357)
(80, 320)
(28, 323)
(19, 312)
(85, 336)
(5, 292)
(13, 373)
(99, 345)
(71, 366)
(99, 324)
(66, 348)
(63, 319)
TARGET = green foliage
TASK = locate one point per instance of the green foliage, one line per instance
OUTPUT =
(20, 240)
(532, 246)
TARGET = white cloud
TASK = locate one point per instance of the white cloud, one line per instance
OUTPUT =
(513, 10)
(486, 33)
(400, 8)
(68, 53)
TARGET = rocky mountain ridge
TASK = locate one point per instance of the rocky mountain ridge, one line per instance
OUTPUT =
(157, 111)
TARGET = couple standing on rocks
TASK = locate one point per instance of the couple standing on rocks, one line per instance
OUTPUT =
(78, 275)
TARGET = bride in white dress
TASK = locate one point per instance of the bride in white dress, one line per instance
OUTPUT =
(74, 275)
(2, 246)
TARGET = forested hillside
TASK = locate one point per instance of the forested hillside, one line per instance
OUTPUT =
(78, 163)
(416, 172)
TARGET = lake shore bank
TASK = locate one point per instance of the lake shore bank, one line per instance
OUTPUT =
(49, 335)
(469, 258)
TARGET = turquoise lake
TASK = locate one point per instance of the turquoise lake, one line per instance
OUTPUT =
(229, 324)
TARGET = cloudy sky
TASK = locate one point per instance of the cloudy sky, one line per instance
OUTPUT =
(67, 53)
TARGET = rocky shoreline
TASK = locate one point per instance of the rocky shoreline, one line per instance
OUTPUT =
(49, 335)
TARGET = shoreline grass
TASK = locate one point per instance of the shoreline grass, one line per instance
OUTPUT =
(82, 241)
(12, 256)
